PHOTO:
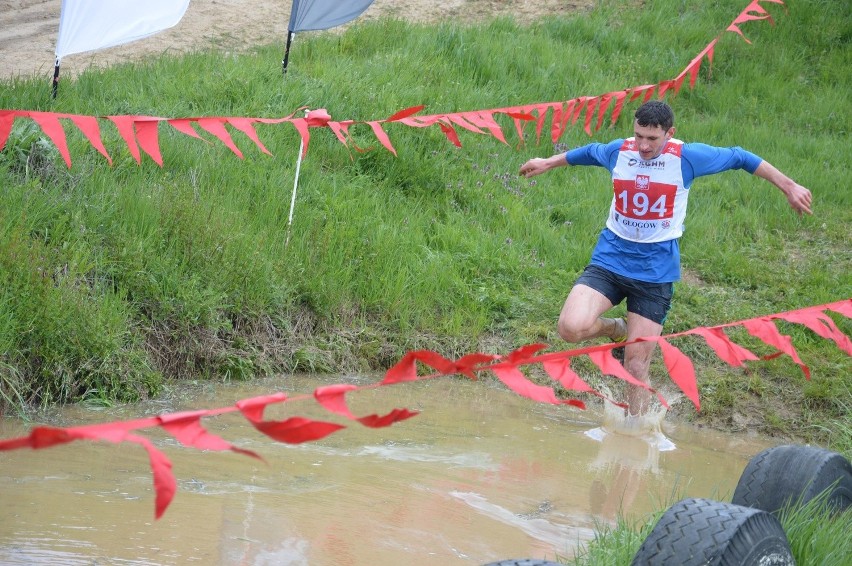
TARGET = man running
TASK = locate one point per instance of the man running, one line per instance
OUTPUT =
(637, 255)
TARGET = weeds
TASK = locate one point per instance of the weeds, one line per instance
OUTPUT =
(118, 276)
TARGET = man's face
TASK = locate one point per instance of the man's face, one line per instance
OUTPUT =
(650, 141)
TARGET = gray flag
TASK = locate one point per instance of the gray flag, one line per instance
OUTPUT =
(308, 15)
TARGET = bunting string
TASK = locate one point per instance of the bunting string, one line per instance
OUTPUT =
(141, 133)
(186, 427)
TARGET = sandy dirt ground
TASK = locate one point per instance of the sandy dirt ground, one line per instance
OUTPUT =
(29, 28)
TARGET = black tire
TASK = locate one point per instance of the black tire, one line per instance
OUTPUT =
(524, 562)
(794, 474)
(702, 532)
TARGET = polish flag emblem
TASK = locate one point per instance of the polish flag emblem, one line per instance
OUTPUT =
(643, 182)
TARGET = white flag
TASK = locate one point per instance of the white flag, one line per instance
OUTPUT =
(86, 25)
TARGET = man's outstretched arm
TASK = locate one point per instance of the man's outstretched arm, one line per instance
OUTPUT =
(798, 196)
(538, 165)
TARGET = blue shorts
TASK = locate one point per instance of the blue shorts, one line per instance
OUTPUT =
(650, 300)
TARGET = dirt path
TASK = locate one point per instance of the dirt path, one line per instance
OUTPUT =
(29, 28)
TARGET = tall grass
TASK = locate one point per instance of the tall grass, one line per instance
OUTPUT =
(818, 536)
(115, 277)
(817, 533)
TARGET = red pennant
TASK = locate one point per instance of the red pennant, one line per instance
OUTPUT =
(620, 97)
(461, 120)
(49, 123)
(578, 108)
(512, 377)
(746, 17)
(246, 126)
(146, 134)
(610, 366)
(451, 134)
(556, 124)
(470, 363)
(333, 398)
(406, 368)
(341, 130)
(184, 126)
(591, 106)
(165, 485)
(382, 136)
(732, 353)
(485, 119)
(405, 113)
(663, 87)
(561, 372)
(541, 111)
(681, 371)
(47, 436)
(187, 429)
(694, 65)
(421, 121)
(524, 354)
(252, 409)
(567, 113)
(302, 127)
(318, 118)
(125, 129)
(90, 128)
(645, 90)
(297, 430)
(604, 106)
(765, 330)
(842, 307)
(395, 416)
(821, 324)
(216, 126)
(7, 119)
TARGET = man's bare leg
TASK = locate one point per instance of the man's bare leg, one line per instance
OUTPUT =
(637, 360)
(581, 319)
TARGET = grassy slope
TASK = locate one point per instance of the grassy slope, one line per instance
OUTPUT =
(115, 276)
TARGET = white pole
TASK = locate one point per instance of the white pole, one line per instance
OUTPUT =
(295, 186)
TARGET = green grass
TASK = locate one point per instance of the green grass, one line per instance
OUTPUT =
(818, 536)
(116, 277)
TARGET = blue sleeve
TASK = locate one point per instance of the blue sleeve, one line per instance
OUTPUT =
(701, 159)
(599, 154)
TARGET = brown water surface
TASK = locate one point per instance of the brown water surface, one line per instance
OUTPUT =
(480, 475)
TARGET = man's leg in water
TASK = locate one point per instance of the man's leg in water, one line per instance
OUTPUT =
(637, 360)
(581, 319)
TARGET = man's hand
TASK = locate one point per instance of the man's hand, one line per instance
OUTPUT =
(538, 165)
(799, 198)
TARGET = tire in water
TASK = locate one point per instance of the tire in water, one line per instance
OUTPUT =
(703, 532)
(794, 474)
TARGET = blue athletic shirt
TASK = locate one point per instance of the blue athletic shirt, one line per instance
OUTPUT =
(657, 262)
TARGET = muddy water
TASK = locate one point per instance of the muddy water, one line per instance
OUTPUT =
(480, 475)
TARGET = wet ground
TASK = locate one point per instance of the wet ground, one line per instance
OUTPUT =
(480, 475)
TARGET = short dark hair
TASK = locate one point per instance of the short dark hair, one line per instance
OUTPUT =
(655, 113)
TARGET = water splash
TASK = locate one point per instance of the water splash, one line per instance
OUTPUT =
(646, 427)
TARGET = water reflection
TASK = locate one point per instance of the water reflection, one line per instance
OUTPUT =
(480, 475)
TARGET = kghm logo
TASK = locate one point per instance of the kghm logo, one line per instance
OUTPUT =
(633, 162)
(643, 182)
